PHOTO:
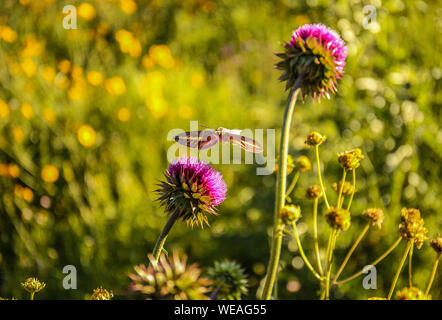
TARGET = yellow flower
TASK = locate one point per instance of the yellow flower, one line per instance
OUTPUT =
(4, 109)
(147, 62)
(123, 114)
(77, 73)
(128, 6)
(86, 135)
(161, 55)
(64, 66)
(157, 106)
(185, 112)
(115, 86)
(77, 91)
(27, 194)
(50, 173)
(7, 34)
(128, 43)
(32, 47)
(18, 134)
(26, 110)
(86, 11)
(154, 82)
(102, 294)
(48, 74)
(13, 170)
(95, 78)
(197, 79)
(49, 115)
(29, 67)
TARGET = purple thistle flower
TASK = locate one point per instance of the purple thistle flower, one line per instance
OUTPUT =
(192, 189)
(317, 54)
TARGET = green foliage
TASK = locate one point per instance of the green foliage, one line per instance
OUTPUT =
(212, 62)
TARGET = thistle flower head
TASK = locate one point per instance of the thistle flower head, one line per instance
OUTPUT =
(290, 213)
(350, 159)
(33, 285)
(338, 218)
(411, 293)
(102, 294)
(304, 164)
(229, 280)
(192, 189)
(313, 192)
(376, 215)
(170, 278)
(412, 226)
(317, 54)
(436, 244)
(347, 189)
(315, 138)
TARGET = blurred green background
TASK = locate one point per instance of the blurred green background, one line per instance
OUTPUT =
(84, 116)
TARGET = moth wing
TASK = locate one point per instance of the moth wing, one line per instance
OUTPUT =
(245, 143)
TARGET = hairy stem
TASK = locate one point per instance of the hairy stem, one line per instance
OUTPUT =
(398, 272)
(163, 236)
(330, 249)
(350, 252)
(382, 257)
(280, 193)
(410, 266)
(318, 166)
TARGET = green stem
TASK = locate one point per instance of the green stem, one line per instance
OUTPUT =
(315, 236)
(280, 192)
(318, 165)
(350, 252)
(32, 295)
(433, 274)
(292, 184)
(301, 251)
(163, 236)
(353, 191)
(398, 272)
(382, 257)
(410, 266)
(330, 249)
(344, 175)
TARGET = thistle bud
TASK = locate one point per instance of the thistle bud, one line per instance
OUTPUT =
(436, 244)
(229, 280)
(350, 159)
(411, 293)
(313, 192)
(102, 294)
(338, 218)
(290, 213)
(304, 163)
(412, 226)
(346, 190)
(33, 285)
(376, 215)
(315, 138)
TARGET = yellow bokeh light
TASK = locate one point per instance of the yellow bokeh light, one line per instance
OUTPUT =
(162, 55)
(18, 134)
(26, 110)
(7, 34)
(29, 67)
(49, 115)
(50, 173)
(86, 11)
(27, 194)
(13, 170)
(48, 74)
(95, 78)
(115, 86)
(157, 106)
(124, 114)
(185, 112)
(128, 6)
(128, 43)
(197, 79)
(86, 135)
(64, 66)
(4, 109)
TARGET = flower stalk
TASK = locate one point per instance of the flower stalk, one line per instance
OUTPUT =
(318, 166)
(159, 246)
(433, 274)
(398, 272)
(280, 192)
